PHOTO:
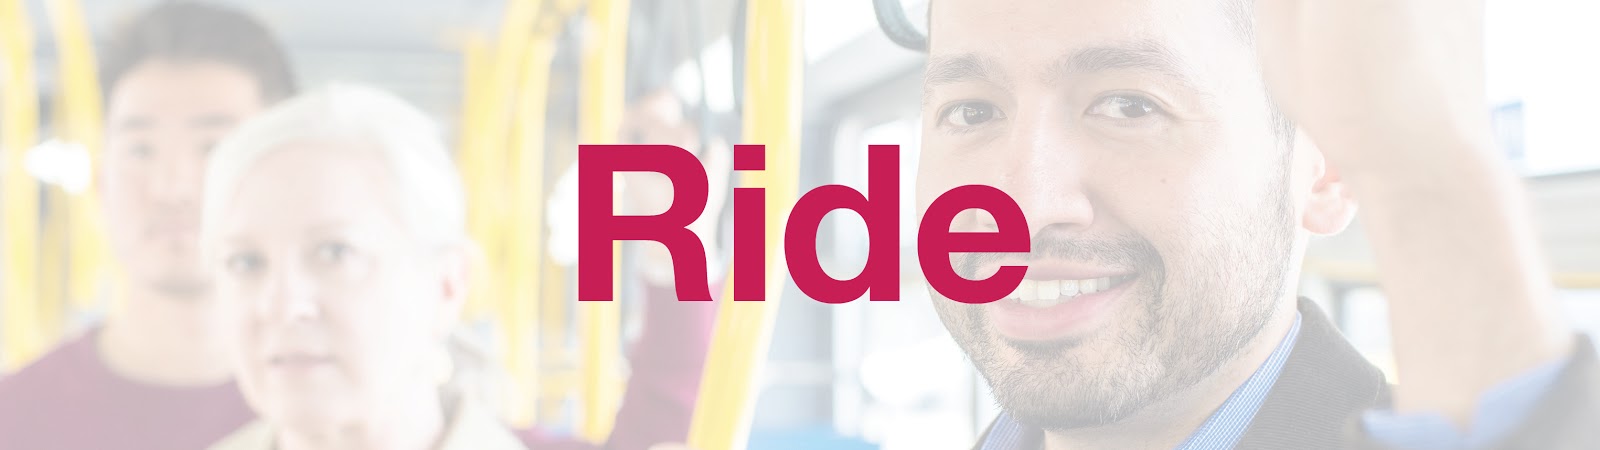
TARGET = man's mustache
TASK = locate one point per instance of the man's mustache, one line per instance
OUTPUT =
(1126, 251)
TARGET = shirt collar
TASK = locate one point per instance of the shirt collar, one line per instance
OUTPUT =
(1222, 430)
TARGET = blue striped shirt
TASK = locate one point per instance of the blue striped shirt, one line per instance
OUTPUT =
(1222, 430)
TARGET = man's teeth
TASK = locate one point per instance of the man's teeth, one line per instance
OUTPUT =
(1047, 293)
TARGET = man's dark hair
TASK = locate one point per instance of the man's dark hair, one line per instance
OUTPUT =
(197, 32)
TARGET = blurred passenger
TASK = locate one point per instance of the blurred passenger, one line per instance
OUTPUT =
(660, 117)
(156, 374)
(336, 226)
(1173, 158)
(669, 97)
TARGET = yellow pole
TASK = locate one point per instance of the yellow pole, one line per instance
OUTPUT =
(555, 363)
(79, 122)
(492, 74)
(557, 374)
(743, 330)
(523, 262)
(475, 69)
(80, 88)
(508, 231)
(19, 125)
(51, 296)
(558, 360)
(1364, 272)
(600, 115)
(496, 132)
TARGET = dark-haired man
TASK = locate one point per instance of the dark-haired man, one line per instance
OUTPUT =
(1170, 198)
(155, 375)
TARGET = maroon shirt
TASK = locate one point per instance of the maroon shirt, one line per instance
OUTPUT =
(70, 400)
(666, 362)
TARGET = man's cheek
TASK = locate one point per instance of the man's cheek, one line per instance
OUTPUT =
(122, 195)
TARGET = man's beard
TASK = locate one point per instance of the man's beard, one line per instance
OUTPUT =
(1180, 328)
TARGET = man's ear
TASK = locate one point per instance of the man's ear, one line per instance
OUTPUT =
(1329, 208)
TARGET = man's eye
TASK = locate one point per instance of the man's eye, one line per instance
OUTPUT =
(333, 252)
(244, 263)
(1124, 107)
(971, 114)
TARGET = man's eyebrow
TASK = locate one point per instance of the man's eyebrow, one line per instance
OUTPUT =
(1140, 55)
(959, 68)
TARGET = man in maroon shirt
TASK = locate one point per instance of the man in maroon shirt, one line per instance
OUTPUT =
(155, 375)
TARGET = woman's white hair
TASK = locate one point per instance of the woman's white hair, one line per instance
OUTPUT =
(424, 185)
(426, 188)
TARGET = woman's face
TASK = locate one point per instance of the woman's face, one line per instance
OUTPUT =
(340, 309)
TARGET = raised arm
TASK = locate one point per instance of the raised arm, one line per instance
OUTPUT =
(1392, 93)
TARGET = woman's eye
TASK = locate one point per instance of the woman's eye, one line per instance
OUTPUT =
(333, 252)
(971, 114)
(1124, 107)
(244, 263)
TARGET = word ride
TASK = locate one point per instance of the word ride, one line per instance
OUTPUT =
(599, 227)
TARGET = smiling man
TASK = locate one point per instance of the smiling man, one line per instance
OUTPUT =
(1170, 188)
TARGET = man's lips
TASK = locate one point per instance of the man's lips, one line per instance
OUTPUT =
(1062, 270)
(1054, 304)
(1048, 269)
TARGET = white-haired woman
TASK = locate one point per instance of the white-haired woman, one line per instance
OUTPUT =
(336, 222)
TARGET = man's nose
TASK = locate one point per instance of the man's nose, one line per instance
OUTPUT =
(178, 177)
(1045, 170)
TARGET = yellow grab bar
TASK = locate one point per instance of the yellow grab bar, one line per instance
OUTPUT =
(19, 127)
(600, 116)
(743, 330)
(1364, 272)
(79, 121)
(476, 65)
(524, 261)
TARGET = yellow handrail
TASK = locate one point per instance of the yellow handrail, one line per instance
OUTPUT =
(492, 76)
(526, 241)
(51, 297)
(556, 361)
(501, 143)
(19, 127)
(475, 56)
(79, 121)
(600, 116)
(1366, 273)
(744, 329)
